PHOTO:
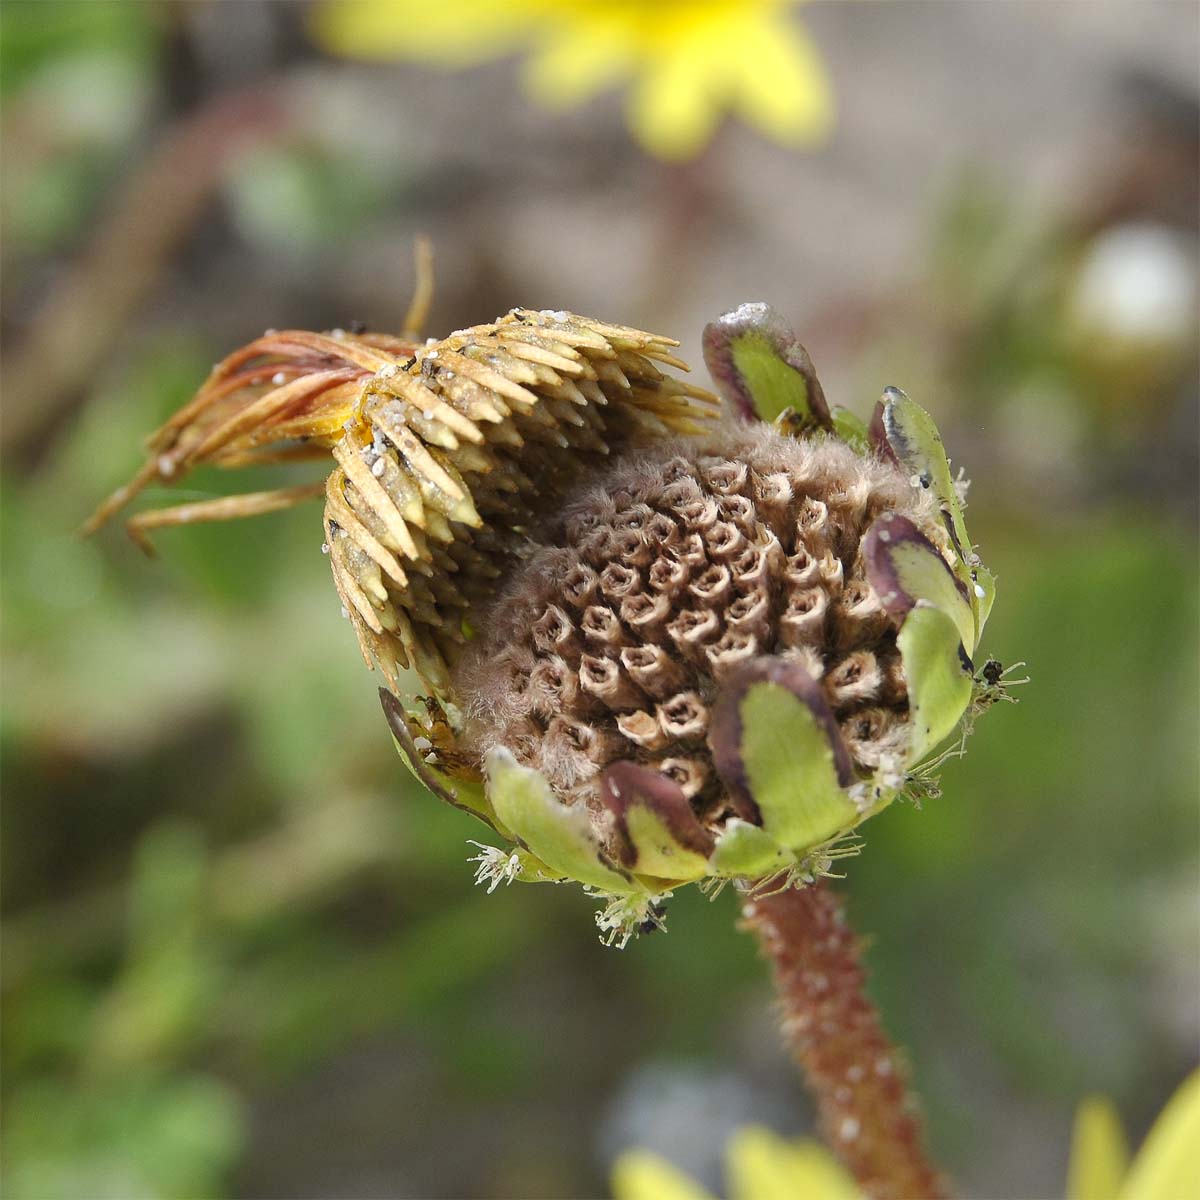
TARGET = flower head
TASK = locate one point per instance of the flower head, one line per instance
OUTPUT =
(687, 61)
(713, 656)
(653, 642)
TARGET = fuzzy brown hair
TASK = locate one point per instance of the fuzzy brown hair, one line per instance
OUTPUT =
(659, 577)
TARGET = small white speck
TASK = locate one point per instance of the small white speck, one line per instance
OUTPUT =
(278, 378)
(849, 1128)
(337, 333)
(389, 371)
(980, 592)
(378, 469)
(324, 547)
(432, 354)
(431, 341)
(166, 465)
(884, 536)
(345, 613)
(270, 332)
(422, 744)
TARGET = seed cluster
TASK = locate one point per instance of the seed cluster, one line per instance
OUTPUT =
(664, 575)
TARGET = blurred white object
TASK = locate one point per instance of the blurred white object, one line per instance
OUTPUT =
(1138, 283)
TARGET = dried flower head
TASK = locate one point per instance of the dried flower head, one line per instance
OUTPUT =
(653, 642)
(444, 450)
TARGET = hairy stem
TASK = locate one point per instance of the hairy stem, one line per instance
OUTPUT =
(868, 1115)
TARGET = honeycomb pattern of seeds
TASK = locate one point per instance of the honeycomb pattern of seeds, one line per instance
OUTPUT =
(663, 612)
(684, 717)
(619, 581)
(553, 686)
(854, 681)
(873, 735)
(712, 587)
(642, 730)
(724, 541)
(604, 679)
(653, 670)
(691, 774)
(750, 613)
(803, 621)
(646, 613)
(667, 575)
(858, 616)
(735, 648)
(692, 630)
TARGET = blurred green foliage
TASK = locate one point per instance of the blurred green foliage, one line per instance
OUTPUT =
(242, 954)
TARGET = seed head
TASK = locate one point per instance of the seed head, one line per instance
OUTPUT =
(650, 642)
(661, 581)
(715, 656)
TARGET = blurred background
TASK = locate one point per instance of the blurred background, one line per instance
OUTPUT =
(242, 955)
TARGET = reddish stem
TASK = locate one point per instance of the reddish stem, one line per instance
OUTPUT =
(868, 1114)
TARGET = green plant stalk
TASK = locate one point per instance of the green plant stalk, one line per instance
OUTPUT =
(868, 1115)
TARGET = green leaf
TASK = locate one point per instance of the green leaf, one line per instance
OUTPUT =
(913, 439)
(939, 681)
(985, 594)
(748, 850)
(654, 825)
(559, 835)
(459, 793)
(656, 830)
(777, 747)
(904, 567)
(658, 853)
(761, 369)
(852, 429)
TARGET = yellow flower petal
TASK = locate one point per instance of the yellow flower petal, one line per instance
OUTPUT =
(1168, 1165)
(577, 62)
(640, 1175)
(1099, 1154)
(763, 1166)
(782, 86)
(672, 110)
(453, 33)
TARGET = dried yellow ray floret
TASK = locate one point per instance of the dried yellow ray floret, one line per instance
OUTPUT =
(441, 450)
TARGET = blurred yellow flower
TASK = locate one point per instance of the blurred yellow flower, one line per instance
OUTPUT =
(759, 1166)
(762, 1166)
(1166, 1168)
(687, 61)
